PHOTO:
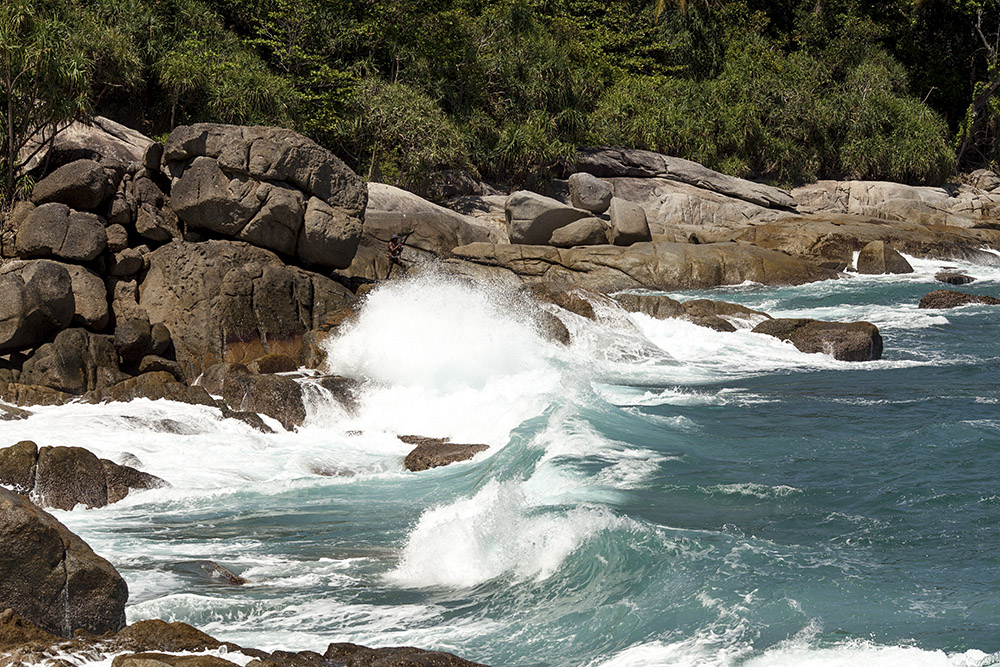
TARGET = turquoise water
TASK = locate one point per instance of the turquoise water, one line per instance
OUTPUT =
(657, 494)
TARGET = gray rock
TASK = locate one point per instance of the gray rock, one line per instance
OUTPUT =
(953, 278)
(128, 262)
(329, 236)
(278, 219)
(276, 396)
(17, 466)
(589, 193)
(154, 364)
(133, 339)
(626, 162)
(90, 298)
(97, 139)
(75, 362)
(585, 231)
(51, 577)
(121, 479)
(436, 452)
(156, 224)
(628, 223)
(36, 301)
(943, 298)
(878, 258)
(153, 155)
(531, 218)
(206, 198)
(82, 185)
(53, 230)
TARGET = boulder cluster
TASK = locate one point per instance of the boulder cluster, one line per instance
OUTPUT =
(137, 267)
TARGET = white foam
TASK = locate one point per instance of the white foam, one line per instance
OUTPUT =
(494, 533)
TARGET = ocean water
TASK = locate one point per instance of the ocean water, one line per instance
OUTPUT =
(655, 494)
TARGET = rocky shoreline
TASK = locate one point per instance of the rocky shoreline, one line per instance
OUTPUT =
(213, 268)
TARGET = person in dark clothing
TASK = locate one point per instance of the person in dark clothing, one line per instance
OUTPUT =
(396, 252)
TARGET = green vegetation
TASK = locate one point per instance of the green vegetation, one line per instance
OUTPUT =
(784, 91)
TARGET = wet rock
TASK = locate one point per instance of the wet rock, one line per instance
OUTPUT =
(716, 315)
(878, 258)
(69, 476)
(217, 571)
(953, 278)
(154, 386)
(83, 185)
(75, 362)
(551, 327)
(55, 230)
(568, 297)
(436, 452)
(277, 396)
(90, 297)
(36, 302)
(589, 193)
(121, 479)
(273, 363)
(50, 577)
(226, 301)
(157, 635)
(166, 660)
(30, 394)
(17, 466)
(9, 414)
(846, 341)
(352, 655)
(951, 299)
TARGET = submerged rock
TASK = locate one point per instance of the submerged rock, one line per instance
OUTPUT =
(716, 315)
(953, 278)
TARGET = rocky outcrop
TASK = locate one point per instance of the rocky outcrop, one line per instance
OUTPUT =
(532, 218)
(877, 258)
(277, 396)
(269, 186)
(55, 230)
(845, 341)
(436, 452)
(50, 577)
(224, 301)
(942, 298)
(82, 185)
(36, 302)
(630, 162)
(77, 361)
(658, 265)
(64, 477)
(718, 315)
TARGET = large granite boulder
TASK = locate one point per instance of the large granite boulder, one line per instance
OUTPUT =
(36, 302)
(228, 301)
(55, 230)
(51, 577)
(943, 298)
(17, 466)
(532, 218)
(877, 258)
(846, 341)
(628, 223)
(585, 231)
(82, 185)
(99, 139)
(630, 162)
(657, 265)
(429, 227)
(589, 193)
(90, 298)
(269, 186)
(75, 362)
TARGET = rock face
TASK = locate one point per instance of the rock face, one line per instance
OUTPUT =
(532, 218)
(64, 477)
(878, 258)
(436, 452)
(82, 185)
(226, 301)
(268, 186)
(55, 230)
(51, 577)
(853, 341)
(623, 162)
(658, 265)
(589, 193)
(276, 396)
(75, 362)
(943, 298)
(36, 301)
